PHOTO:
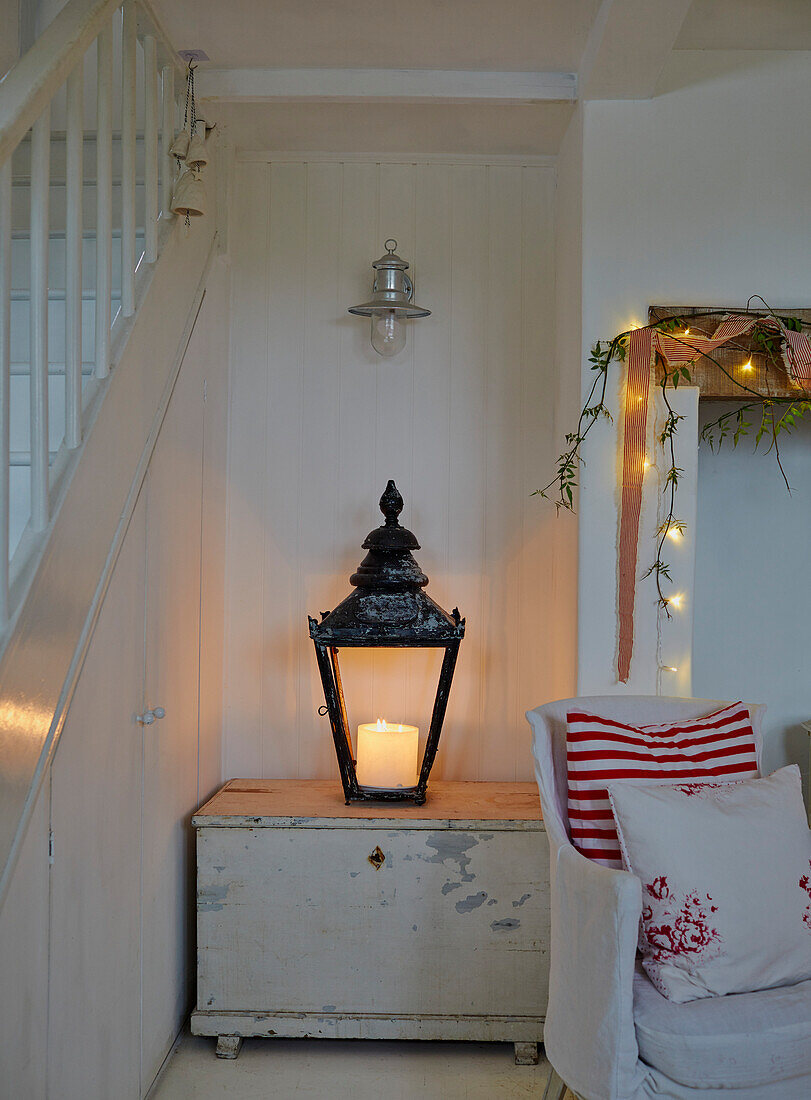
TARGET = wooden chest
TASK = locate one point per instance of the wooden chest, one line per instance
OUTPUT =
(394, 921)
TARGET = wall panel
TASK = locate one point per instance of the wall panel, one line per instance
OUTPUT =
(318, 423)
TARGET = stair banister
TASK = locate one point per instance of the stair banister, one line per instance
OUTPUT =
(128, 91)
(26, 94)
(151, 125)
(104, 198)
(28, 88)
(38, 346)
(73, 261)
(5, 377)
(38, 681)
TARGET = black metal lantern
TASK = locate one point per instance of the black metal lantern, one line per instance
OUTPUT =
(387, 609)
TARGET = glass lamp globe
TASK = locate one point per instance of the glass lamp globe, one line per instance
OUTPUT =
(388, 333)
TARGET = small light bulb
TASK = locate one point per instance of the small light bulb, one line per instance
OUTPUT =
(675, 600)
(668, 668)
(645, 464)
(674, 533)
(687, 332)
(747, 365)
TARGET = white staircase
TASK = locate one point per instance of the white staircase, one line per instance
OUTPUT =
(87, 117)
(20, 312)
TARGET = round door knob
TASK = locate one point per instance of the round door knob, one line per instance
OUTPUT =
(146, 719)
(159, 712)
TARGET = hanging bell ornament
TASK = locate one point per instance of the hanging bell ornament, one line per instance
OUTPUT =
(180, 146)
(189, 199)
(196, 155)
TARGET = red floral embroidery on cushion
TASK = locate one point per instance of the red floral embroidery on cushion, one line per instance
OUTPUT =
(677, 925)
(691, 789)
(805, 884)
(716, 791)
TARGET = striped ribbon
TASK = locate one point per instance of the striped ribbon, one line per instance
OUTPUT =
(644, 346)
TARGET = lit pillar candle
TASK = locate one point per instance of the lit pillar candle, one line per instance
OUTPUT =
(387, 755)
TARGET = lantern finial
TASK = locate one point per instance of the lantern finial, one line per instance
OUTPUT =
(391, 504)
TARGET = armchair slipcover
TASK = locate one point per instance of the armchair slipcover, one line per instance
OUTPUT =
(609, 1033)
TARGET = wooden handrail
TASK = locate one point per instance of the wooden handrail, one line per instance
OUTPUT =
(30, 85)
(28, 88)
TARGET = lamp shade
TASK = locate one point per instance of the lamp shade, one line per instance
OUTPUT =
(392, 291)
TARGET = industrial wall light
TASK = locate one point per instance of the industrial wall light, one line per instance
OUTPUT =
(391, 304)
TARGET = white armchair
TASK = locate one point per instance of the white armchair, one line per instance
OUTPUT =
(609, 1034)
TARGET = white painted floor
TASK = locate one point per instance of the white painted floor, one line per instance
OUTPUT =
(330, 1069)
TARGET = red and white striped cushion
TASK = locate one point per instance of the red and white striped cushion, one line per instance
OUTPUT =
(602, 750)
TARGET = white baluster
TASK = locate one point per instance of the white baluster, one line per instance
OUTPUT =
(151, 147)
(5, 363)
(128, 91)
(104, 198)
(73, 261)
(167, 136)
(38, 353)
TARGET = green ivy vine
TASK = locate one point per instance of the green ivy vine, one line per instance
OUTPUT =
(778, 416)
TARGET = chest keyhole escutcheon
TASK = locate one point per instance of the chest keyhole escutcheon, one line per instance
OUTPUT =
(377, 859)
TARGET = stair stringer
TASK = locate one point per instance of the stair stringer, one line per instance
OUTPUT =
(71, 565)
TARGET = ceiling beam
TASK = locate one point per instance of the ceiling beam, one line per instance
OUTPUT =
(401, 85)
(628, 46)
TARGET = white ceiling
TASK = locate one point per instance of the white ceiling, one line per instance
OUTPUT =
(511, 35)
(747, 25)
(603, 42)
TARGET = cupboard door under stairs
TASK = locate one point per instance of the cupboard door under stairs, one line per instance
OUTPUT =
(121, 938)
(174, 511)
(95, 979)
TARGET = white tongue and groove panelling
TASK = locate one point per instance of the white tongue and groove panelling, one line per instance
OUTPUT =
(462, 420)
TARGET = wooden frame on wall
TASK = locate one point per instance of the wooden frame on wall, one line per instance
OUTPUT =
(767, 375)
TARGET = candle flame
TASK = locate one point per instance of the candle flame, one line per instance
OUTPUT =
(381, 725)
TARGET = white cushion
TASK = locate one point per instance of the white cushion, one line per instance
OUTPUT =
(724, 870)
(744, 1039)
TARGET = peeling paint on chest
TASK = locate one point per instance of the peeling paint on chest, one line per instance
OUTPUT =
(471, 902)
(521, 900)
(449, 886)
(505, 925)
(452, 847)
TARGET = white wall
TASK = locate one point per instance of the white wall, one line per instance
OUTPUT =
(463, 421)
(38, 984)
(752, 603)
(700, 196)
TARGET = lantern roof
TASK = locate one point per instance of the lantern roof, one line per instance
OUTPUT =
(389, 606)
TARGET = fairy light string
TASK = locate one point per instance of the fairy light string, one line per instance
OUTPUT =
(674, 348)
